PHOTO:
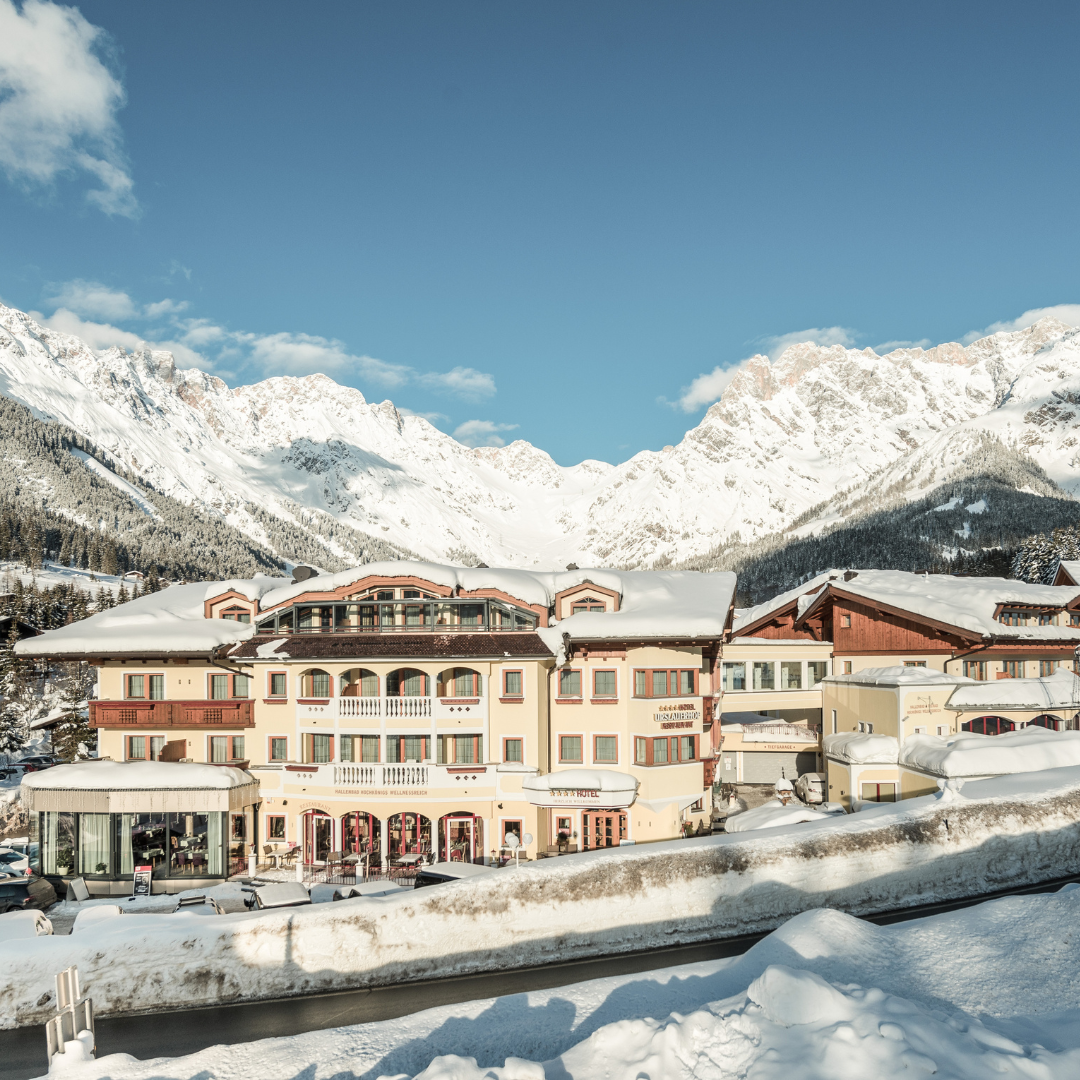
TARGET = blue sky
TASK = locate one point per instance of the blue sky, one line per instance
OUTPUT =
(561, 222)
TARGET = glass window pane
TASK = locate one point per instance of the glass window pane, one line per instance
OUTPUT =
(512, 683)
(277, 684)
(660, 751)
(639, 684)
(513, 750)
(464, 749)
(570, 747)
(790, 674)
(640, 751)
(219, 750)
(238, 748)
(320, 684)
(136, 686)
(816, 671)
(94, 853)
(686, 682)
(607, 748)
(157, 744)
(219, 687)
(370, 748)
(278, 749)
(687, 748)
(157, 687)
(188, 840)
(764, 675)
(126, 863)
(320, 749)
(734, 676)
(659, 684)
(241, 686)
(137, 746)
(604, 683)
(569, 683)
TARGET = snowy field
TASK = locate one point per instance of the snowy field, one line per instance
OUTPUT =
(990, 991)
(51, 574)
(993, 834)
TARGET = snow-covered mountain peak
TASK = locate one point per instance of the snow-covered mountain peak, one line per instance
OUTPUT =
(785, 436)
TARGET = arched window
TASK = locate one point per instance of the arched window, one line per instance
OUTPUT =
(407, 682)
(315, 684)
(236, 614)
(359, 682)
(459, 682)
(1046, 720)
(989, 725)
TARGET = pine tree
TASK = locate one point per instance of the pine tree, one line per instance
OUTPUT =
(122, 596)
(12, 729)
(72, 736)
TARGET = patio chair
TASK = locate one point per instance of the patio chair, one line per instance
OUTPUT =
(335, 858)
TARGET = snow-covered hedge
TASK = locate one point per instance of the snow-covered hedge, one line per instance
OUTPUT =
(994, 833)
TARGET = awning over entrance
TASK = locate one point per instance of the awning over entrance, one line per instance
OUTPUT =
(126, 787)
(581, 788)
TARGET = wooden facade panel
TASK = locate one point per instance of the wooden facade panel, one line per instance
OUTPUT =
(873, 631)
(157, 714)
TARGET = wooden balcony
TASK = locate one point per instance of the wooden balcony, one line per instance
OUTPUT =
(172, 714)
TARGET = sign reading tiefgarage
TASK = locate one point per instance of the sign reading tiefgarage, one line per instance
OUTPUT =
(670, 714)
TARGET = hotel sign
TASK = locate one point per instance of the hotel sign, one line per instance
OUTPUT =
(685, 714)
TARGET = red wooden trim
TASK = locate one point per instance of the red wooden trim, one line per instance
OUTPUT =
(275, 701)
(232, 594)
(465, 768)
(311, 701)
(303, 768)
(584, 586)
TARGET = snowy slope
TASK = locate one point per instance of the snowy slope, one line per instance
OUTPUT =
(786, 436)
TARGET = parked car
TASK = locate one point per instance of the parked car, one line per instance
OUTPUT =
(39, 761)
(14, 862)
(90, 917)
(371, 889)
(276, 895)
(24, 924)
(14, 771)
(441, 872)
(17, 893)
(812, 787)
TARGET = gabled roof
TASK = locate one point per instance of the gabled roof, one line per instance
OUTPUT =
(782, 604)
(1067, 573)
(965, 606)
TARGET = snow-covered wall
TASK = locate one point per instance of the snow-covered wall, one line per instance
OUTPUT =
(996, 833)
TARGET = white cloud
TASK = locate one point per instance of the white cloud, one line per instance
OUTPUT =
(58, 104)
(96, 335)
(307, 353)
(164, 307)
(1066, 313)
(464, 381)
(827, 335)
(481, 433)
(890, 346)
(430, 417)
(91, 298)
(706, 389)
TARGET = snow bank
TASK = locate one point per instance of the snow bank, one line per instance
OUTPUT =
(900, 675)
(1030, 749)
(825, 997)
(859, 749)
(621, 899)
(771, 815)
(170, 621)
(583, 780)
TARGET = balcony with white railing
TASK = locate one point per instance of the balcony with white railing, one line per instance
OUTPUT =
(390, 777)
(363, 710)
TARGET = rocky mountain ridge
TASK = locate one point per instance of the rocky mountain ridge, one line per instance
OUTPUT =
(789, 442)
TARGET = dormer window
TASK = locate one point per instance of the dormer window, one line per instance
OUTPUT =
(587, 603)
(1013, 618)
(236, 614)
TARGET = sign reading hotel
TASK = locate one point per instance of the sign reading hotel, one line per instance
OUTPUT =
(683, 715)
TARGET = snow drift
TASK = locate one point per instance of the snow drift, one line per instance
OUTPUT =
(997, 833)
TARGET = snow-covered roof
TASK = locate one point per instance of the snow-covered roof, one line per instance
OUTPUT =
(857, 748)
(253, 588)
(757, 728)
(777, 603)
(968, 603)
(899, 675)
(170, 621)
(1070, 566)
(1030, 749)
(1058, 691)
(653, 603)
(125, 787)
(137, 776)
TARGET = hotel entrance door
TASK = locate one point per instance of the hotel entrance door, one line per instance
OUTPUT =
(602, 828)
(318, 837)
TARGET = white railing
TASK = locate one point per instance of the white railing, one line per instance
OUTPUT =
(376, 708)
(383, 775)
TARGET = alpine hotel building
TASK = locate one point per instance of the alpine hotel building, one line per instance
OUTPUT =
(411, 707)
